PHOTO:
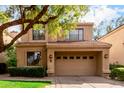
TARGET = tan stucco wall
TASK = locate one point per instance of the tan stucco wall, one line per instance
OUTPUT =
(22, 55)
(116, 38)
(102, 67)
(28, 37)
(87, 34)
(105, 61)
(3, 57)
(48, 50)
(99, 63)
(6, 38)
(50, 62)
(25, 38)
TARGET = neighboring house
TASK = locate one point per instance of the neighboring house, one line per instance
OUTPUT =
(75, 54)
(7, 37)
(116, 38)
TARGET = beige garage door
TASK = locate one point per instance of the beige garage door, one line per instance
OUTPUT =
(75, 63)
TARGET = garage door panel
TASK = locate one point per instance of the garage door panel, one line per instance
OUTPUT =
(76, 66)
(74, 69)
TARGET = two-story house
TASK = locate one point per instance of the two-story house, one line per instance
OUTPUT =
(75, 54)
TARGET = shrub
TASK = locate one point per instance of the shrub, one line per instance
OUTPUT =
(112, 66)
(3, 68)
(113, 73)
(11, 56)
(27, 71)
(117, 73)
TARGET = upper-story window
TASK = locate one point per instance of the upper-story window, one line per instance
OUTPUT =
(38, 35)
(75, 35)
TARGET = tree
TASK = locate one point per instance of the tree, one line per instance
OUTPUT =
(11, 56)
(106, 27)
(50, 18)
(97, 30)
(119, 21)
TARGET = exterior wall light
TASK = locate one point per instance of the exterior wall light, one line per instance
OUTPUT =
(50, 57)
(106, 56)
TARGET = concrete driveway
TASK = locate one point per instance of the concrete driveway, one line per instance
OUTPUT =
(84, 82)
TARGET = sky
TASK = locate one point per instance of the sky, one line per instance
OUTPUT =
(98, 13)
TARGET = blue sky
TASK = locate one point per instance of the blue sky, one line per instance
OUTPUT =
(99, 13)
(116, 6)
(120, 7)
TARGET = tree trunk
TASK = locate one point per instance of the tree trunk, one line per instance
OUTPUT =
(1, 42)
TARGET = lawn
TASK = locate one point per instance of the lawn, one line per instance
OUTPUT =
(23, 84)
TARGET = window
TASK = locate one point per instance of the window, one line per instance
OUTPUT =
(77, 57)
(75, 35)
(84, 57)
(58, 57)
(38, 35)
(64, 57)
(33, 58)
(71, 57)
(91, 57)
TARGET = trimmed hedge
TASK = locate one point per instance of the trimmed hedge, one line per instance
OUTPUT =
(27, 71)
(3, 68)
(112, 66)
(117, 73)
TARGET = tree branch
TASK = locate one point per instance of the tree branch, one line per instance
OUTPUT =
(19, 21)
(30, 22)
(22, 13)
(52, 17)
(44, 10)
(32, 7)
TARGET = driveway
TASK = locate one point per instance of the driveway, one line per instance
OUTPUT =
(85, 82)
(72, 82)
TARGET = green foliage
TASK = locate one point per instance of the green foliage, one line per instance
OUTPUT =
(113, 73)
(58, 20)
(67, 17)
(11, 56)
(3, 17)
(118, 73)
(112, 66)
(66, 21)
(27, 71)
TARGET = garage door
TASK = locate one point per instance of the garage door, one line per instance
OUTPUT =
(75, 63)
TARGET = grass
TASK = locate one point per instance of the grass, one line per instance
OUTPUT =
(23, 84)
